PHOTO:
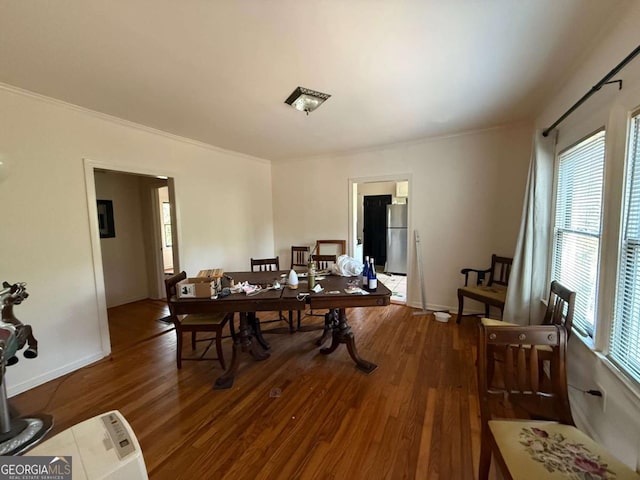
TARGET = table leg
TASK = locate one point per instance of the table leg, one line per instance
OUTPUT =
(342, 334)
(242, 343)
(330, 319)
(254, 322)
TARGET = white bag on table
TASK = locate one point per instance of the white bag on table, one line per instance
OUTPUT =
(347, 266)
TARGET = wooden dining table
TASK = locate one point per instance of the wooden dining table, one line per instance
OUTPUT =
(248, 340)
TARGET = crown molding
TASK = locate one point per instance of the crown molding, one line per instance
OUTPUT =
(127, 123)
(409, 143)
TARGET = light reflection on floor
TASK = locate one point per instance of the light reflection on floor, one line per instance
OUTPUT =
(397, 284)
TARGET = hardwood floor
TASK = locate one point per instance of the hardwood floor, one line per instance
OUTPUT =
(416, 416)
(135, 322)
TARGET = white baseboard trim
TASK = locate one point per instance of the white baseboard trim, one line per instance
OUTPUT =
(450, 309)
(53, 374)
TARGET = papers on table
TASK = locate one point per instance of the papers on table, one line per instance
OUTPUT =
(355, 290)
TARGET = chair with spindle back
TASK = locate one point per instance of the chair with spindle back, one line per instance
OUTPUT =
(559, 311)
(265, 264)
(550, 446)
(195, 323)
(299, 256)
(324, 262)
(270, 265)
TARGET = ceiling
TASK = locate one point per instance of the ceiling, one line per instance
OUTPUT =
(219, 71)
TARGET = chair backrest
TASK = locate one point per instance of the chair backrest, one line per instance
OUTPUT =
(299, 256)
(523, 388)
(332, 247)
(265, 264)
(500, 270)
(324, 262)
(560, 307)
(170, 286)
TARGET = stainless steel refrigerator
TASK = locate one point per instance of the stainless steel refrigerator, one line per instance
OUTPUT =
(396, 239)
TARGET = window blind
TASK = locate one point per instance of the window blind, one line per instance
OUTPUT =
(624, 345)
(576, 235)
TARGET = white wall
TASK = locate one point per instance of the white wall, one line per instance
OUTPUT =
(466, 196)
(123, 256)
(224, 216)
(616, 421)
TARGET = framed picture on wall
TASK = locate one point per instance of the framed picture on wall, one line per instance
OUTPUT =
(105, 219)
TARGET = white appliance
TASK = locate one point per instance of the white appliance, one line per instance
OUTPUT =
(396, 239)
(103, 447)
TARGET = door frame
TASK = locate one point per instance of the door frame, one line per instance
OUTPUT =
(158, 255)
(98, 272)
(353, 196)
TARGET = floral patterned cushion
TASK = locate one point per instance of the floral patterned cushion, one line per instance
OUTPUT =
(536, 450)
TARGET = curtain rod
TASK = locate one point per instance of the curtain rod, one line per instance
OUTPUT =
(594, 89)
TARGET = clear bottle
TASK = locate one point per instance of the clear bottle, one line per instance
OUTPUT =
(373, 278)
(365, 272)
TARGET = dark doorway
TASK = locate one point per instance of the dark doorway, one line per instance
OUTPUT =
(374, 219)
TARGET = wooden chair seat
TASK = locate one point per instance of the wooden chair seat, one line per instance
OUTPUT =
(540, 449)
(203, 319)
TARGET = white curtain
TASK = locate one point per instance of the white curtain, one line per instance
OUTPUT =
(528, 280)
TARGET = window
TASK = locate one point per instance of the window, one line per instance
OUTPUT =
(576, 234)
(624, 345)
(166, 221)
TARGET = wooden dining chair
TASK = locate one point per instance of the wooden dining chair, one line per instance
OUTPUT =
(299, 259)
(559, 311)
(560, 306)
(265, 264)
(335, 247)
(270, 265)
(299, 256)
(541, 441)
(324, 262)
(196, 323)
(490, 285)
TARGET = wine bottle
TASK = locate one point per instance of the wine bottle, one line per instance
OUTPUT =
(365, 272)
(373, 278)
